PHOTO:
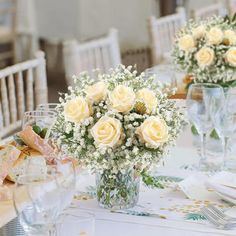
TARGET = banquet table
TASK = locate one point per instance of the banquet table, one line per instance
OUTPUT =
(116, 224)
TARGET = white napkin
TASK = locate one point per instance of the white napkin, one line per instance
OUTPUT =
(224, 183)
(194, 187)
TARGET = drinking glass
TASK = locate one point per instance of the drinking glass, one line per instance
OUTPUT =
(225, 124)
(66, 170)
(164, 74)
(36, 200)
(199, 99)
(42, 121)
(47, 107)
(76, 222)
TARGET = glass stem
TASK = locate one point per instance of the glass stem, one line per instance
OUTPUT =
(203, 147)
(52, 231)
(225, 150)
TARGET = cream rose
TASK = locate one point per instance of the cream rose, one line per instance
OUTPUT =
(205, 57)
(122, 98)
(97, 92)
(229, 37)
(186, 43)
(76, 110)
(149, 98)
(215, 36)
(230, 56)
(153, 132)
(107, 132)
(199, 32)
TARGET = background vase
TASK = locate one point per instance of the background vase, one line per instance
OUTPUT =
(117, 190)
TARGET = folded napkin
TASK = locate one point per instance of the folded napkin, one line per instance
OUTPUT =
(8, 156)
(5, 193)
(223, 183)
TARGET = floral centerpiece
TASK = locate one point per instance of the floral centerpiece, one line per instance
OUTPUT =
(117, 126)
(206, 50)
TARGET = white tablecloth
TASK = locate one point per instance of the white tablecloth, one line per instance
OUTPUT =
(116, 224)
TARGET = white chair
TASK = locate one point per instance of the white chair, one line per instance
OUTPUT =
(22, 87)
(162, 33)
(7, 32)
(103, 53)
(208, 11)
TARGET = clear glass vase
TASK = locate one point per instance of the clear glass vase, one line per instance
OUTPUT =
(117, 191)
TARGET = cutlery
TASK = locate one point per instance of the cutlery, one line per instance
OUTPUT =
(218, 221)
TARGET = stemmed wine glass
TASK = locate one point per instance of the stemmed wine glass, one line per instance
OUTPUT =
(225, 124)
(199, 99)
(36, 200)
(39, 197)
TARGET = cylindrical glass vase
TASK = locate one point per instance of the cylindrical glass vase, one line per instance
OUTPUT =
(117, 191)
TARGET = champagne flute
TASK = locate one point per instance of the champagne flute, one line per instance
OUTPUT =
(199, 99)
(225, 124)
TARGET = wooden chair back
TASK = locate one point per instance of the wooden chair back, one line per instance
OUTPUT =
(102, 54)
(22, 87)
(162, 33)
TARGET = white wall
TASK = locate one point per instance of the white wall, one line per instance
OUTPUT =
(128, 16)
(85, 19)
(57, 19)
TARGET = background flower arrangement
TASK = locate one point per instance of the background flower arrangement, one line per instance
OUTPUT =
(207, 50)
(119, 122)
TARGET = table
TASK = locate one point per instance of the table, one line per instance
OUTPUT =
(115, 224)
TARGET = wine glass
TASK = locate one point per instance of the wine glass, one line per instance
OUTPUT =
(66, 169)
(164, 74)
(199, 99)
(36, 200)
(47, 107)
(225, 124)
(41, 122)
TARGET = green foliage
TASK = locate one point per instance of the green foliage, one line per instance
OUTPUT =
(158, 181)
(18, 140)
(195, 216)
(36, 129)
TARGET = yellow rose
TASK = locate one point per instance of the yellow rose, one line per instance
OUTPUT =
(205, 57)
(107, 132)
(153, 132)
(229, 37)
(149, 98)
(230, 56)
(199, 32)
(122, 98)
(76, 110)
(97, 92)
(186, 43)
(215, 36)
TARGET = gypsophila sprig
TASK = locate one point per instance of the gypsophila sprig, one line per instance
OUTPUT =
(119, 121)
(206, 50)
